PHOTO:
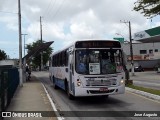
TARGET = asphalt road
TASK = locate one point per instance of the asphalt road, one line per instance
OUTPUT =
(117, 105)
(150, 79)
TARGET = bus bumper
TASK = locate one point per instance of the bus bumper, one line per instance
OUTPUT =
(100, 91)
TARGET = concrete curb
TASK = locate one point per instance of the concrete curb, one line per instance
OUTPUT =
(145, 94)
(52, 104)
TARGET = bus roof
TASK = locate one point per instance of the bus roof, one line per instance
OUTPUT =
(82, 40)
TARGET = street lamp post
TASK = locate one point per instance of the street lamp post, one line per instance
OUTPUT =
(120, 35)
(125, 40)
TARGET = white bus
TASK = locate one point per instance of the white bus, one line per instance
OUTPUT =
(89, 68)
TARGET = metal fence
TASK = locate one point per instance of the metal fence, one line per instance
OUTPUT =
(9, 80)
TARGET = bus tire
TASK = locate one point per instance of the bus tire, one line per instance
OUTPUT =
(71, 97)
(105, 96)
(54, 85)
(50, 78)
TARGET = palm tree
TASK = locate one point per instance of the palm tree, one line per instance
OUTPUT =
(3, 55)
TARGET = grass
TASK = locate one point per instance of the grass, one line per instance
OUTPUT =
(149, 90)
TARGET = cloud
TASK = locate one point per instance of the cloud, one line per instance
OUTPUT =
(54, 30)
(35, 9)
(66, 21)
(10, 21)
(4, 42)
(86, 25)
(87, 19)
(33, 30)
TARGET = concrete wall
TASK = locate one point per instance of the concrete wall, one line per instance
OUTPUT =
(140, 46)
(8, 62)
(152, 61)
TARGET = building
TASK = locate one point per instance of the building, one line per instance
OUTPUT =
(9, 63)
(146, 48)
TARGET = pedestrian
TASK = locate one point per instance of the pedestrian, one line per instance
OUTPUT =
(28, 73)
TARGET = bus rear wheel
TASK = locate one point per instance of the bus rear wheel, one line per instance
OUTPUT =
(54, 84)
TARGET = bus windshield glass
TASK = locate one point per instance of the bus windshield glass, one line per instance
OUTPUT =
(99, 61)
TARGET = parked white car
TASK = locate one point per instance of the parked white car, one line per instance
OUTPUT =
(158, 70)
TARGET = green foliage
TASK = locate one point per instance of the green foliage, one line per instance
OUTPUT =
(3, 55)
(36, 60)
(149, 90)
(150, 8)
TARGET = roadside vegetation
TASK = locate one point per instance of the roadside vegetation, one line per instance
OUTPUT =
(149, 90)
(36, 59)
(3, 55)
(149, 8)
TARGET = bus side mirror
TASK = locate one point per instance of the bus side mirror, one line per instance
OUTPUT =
(66, 69)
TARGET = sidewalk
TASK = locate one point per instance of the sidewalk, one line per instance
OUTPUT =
(146, 79)
(152, 75)
(31, 97)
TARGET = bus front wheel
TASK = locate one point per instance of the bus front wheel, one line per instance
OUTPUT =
(105, 96)
(71, 97)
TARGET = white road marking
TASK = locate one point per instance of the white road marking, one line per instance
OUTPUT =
(52, 104)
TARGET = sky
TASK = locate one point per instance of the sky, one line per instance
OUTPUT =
(65, 21)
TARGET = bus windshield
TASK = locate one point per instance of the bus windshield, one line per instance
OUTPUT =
(98, 61)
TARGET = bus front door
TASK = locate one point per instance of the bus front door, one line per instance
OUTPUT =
(71, 73)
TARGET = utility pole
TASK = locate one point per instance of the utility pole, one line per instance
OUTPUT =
(20, 44)
(131, 47)
(41, 43)
(24, 43)
(24, 61)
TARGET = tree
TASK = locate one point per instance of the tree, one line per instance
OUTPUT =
(150, 8)
(3, 55)
(36, 60)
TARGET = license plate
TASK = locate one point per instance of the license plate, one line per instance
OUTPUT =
(103, 89)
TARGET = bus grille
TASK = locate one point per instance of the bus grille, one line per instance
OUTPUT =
(98, 92)
(100, 83)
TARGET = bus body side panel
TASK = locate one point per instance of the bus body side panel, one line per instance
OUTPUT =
(59, 74)
(60, 83)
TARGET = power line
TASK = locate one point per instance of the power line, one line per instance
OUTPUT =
(48, 7)
(60, 6)
(57, 10)
(52, 8)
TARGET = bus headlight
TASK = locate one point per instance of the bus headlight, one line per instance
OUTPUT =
(121, 82)
(78, 82)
